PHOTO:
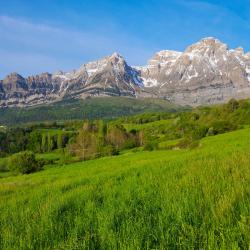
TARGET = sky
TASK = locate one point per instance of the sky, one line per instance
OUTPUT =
(49, 35)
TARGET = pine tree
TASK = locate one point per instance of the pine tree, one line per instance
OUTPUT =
(44, 145)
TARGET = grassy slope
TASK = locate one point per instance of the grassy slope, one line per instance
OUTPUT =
(101, 107)
(148, 200)
(148, 125)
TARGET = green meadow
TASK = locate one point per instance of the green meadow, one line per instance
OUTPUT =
(166, 199)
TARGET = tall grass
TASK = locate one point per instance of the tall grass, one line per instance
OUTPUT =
(198, 199)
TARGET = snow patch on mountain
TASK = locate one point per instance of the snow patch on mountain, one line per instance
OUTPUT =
(148, 82)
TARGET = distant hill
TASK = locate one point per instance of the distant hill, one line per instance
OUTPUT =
(91, 108)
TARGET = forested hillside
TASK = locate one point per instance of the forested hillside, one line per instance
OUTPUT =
(91, 108)
(89, 139)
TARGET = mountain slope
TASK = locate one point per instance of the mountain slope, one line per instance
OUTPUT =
(109, 76)
(206, 72)
(91, 108)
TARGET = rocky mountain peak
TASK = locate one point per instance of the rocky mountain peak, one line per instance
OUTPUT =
(206, 72)
(116, 59)
(210, 41)
(164, 57)
(116, 55)
(15, 82)
(239, 50)
(206, 47)
(13, 77)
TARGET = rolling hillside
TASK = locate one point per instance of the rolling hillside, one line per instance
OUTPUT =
(169, 199)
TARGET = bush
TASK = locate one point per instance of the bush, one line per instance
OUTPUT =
(24, 163)
(199, 132)
(220, 127)
(232, 105)
(151, 145)
(129, 143)
(109, 150)
(3, 165)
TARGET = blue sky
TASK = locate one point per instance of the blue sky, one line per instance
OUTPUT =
(48, 35)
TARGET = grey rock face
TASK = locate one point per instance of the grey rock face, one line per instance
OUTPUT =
(157, 68)
(108, 76)
(14, 82)
(113, 77)
(205, 73)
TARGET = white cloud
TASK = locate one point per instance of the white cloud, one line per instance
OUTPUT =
(29, 48)
(44, 37)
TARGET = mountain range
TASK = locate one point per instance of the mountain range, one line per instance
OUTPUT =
(207, 72)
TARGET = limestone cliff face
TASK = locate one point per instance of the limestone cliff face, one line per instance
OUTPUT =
(158, 67)
(206, 72)
(109, 76)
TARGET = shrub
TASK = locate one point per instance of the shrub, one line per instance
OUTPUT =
(133, 131)
(24, 163)
(220, 127)
(151, 145)
(199, 132)
(232, 105)
(3, 165)
(129, 143)
(109, 150)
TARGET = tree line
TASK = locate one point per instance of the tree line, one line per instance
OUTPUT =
(91, 139)
(98, 138)
(15, 140)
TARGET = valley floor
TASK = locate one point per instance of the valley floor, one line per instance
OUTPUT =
(172, 199)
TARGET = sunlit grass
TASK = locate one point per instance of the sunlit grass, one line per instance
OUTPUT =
(182, 199)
